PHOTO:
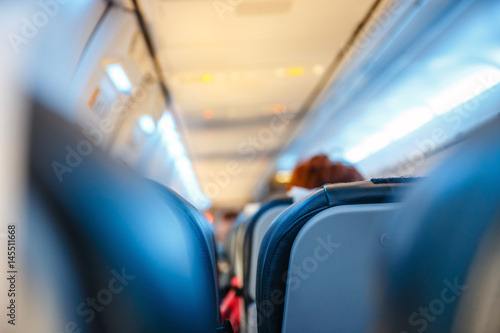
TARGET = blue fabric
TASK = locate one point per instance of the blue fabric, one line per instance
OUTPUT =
(437, 234)
(119, 222)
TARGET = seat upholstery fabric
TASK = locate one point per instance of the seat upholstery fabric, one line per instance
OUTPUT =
(115, 223)
(429, 261)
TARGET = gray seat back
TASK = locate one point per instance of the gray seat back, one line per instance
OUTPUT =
(257, 228)
(274, 254)
(331, 280)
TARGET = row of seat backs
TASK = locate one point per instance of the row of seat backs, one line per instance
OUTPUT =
(255, 231)
(234, 251)
(96, 230)
(443, 241)
(276, 247)
(242, 248)
(256, 228)
(234, 242)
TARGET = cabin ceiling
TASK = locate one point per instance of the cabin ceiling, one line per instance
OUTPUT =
(232, 71)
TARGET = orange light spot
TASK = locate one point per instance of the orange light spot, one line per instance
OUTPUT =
(209, 216)
(93, 99)
(208, 114)
(279, 108)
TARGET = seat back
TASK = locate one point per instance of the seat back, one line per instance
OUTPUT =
(256, 229)
(231, 240)
(239, 269)
(238, 261)
(230, 246)
(137, 256)
(441, 266)
(331, 281)
(52, 272)
(274, 255)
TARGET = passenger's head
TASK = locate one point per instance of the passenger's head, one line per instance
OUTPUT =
(319, 170)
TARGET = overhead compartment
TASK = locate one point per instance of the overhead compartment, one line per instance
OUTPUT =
(421, 77)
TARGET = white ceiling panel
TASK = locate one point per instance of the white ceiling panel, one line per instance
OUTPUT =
(227, 70)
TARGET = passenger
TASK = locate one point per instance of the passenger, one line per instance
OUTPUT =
(318, 171)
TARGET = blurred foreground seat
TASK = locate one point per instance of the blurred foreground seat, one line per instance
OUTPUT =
(442, 265)
(108, 250)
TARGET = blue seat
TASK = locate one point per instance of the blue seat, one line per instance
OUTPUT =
(274, 255)
(449, 242)
(145, 255)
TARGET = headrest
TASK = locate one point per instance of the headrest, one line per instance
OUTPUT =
(143, 256)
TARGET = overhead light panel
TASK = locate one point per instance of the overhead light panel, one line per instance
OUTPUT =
(369, 146)
(357, 154)
(402, 125)
(177, 152)
(166, 122)
(465, 90)
(407, 122)
(119, 78)
(147, 124)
